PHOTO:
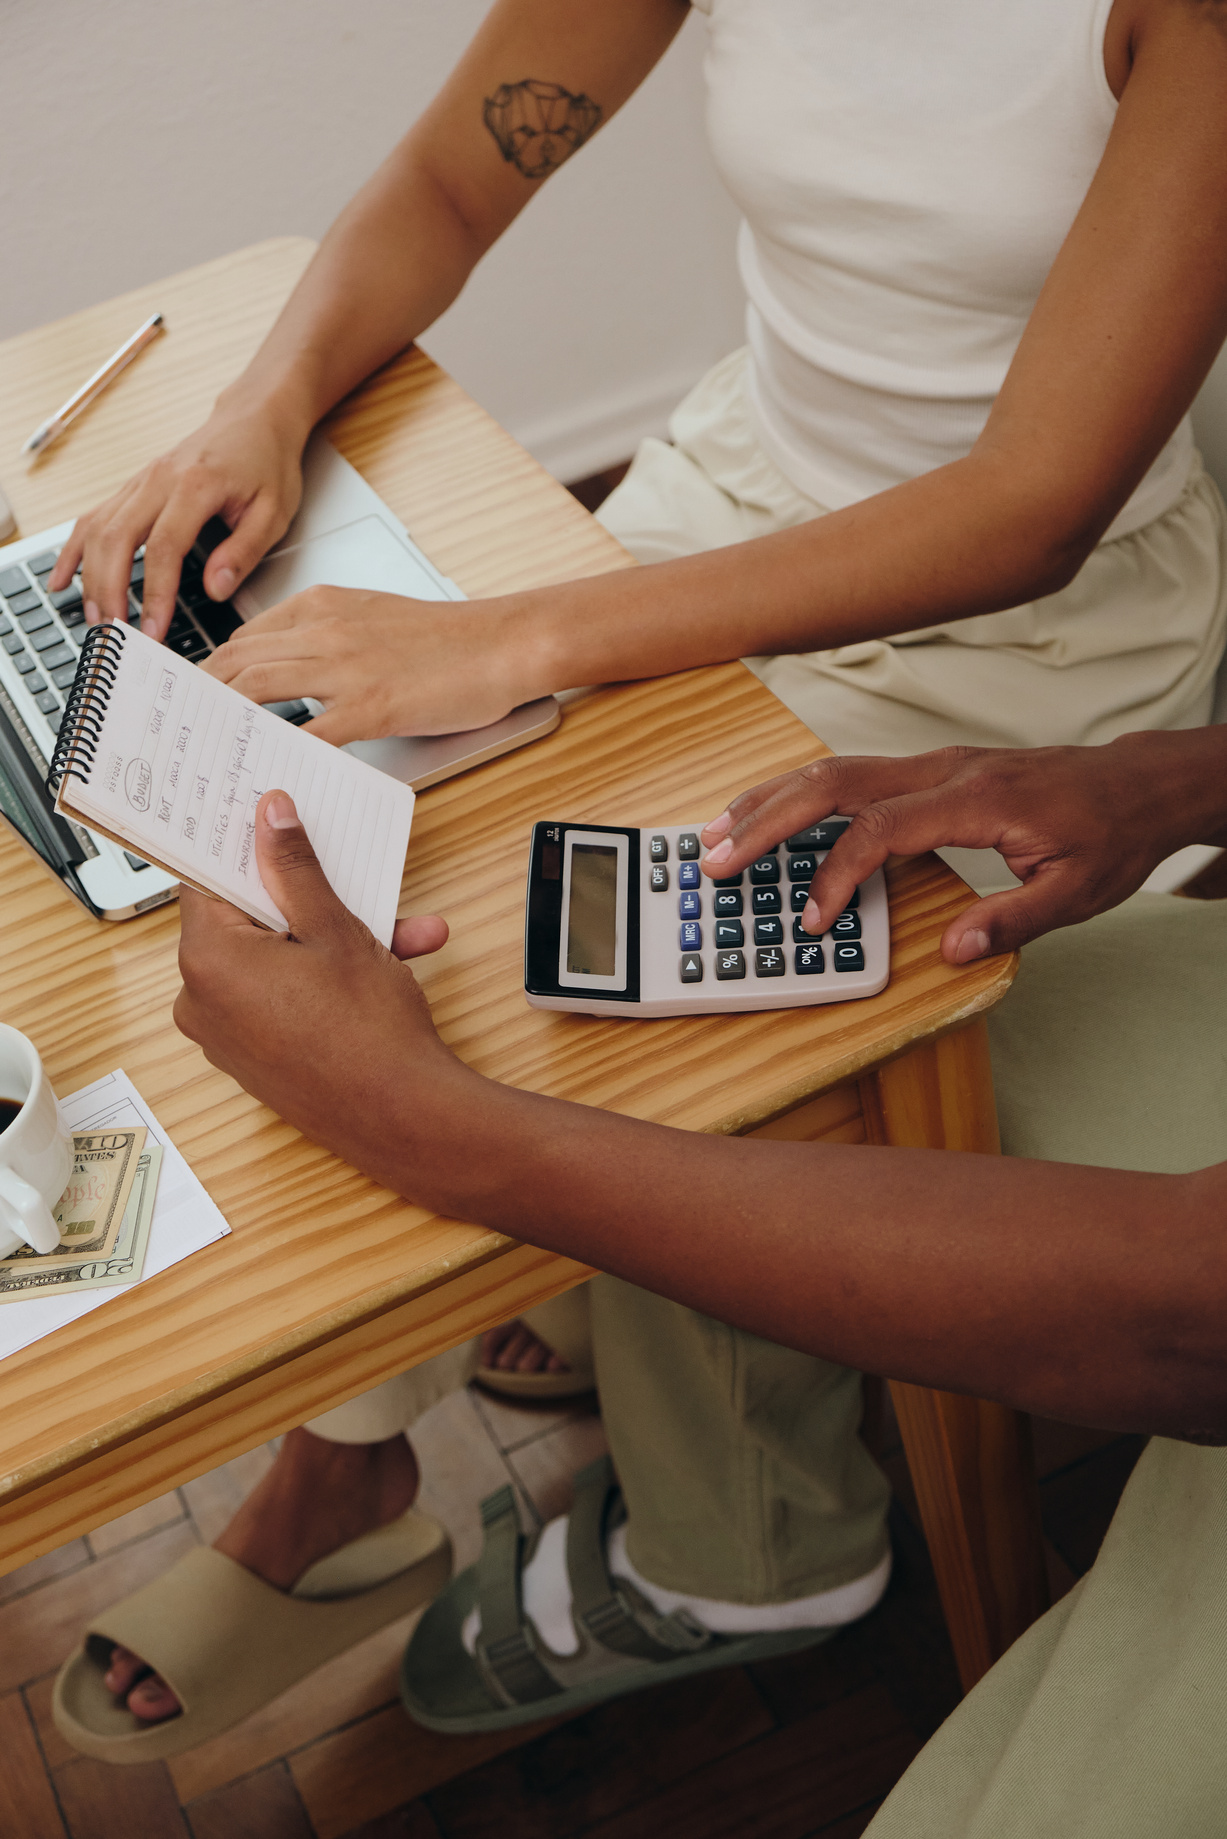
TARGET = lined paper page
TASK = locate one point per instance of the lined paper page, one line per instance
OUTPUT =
(181, 763)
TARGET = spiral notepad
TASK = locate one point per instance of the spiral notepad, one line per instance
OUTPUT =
(171, 764)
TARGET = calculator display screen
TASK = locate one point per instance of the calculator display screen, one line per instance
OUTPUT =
(592, 914)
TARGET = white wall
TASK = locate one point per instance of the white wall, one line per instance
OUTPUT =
(141, 136)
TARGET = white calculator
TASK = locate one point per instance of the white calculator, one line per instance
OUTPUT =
(621, 922)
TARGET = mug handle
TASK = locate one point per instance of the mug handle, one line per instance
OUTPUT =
(34, 1219)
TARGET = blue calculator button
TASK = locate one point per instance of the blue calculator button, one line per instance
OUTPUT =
(769, 963)
(730, 932)
(692, 969)
(687, 846)
(688, 906)
(726, 903)
(730, 964)
(808, 960)
(848, 957)
(691, 936)
(687, 874)
(765, 900)
(658, 879)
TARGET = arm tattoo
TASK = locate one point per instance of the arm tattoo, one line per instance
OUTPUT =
(539, 125)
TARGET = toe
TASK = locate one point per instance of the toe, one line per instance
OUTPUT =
(514, 1348)
(124, 1671)
(152, 1700)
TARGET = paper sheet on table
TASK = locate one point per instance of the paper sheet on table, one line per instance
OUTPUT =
(184, 1218)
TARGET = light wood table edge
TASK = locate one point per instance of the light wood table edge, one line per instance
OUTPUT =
(55, 1503)
(852, 1067)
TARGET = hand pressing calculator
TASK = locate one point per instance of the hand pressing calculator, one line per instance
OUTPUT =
(621, 922)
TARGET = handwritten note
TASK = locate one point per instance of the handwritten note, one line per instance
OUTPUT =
(181, 761)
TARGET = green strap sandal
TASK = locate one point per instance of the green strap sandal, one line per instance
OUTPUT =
(514, 1677)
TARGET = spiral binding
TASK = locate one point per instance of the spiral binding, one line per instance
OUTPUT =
(86, 707)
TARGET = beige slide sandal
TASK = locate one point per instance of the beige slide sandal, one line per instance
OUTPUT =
(227, 1643)
(564, 1324)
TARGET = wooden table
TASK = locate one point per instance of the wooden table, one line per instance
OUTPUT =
(328, 1284)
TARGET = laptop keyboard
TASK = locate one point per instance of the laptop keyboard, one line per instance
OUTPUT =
(42, 633)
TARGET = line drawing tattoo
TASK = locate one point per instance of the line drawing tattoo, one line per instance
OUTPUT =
(539, 125)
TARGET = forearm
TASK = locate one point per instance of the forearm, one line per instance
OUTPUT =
(395, 259)
(960, 541)
(1087, 1294)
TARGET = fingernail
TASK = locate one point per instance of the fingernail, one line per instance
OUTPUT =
(719, 824)
(224, 583)
(811, 919)
(973, 944)
(280, 812)
(92, 614)
(720, 853)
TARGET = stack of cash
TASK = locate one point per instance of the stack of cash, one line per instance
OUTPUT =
(104, 1215)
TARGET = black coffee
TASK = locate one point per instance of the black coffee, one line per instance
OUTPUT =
(10, 1111)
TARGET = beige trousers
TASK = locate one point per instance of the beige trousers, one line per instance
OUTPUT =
(1106, 1719)
(744, 1477)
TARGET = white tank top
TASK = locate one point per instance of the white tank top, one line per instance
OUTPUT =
(907, 171)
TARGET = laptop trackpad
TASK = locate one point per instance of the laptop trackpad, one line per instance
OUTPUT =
(362, 555)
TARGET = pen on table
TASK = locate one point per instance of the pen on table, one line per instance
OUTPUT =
(55, 425)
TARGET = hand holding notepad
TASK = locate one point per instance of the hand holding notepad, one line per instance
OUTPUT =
(170, 763)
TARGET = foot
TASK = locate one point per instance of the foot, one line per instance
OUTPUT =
(512, 1347)
(317, 1497)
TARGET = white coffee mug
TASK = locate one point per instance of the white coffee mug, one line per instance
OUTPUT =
(36, 1153)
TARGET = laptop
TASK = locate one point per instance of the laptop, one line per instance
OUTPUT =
(343, 536)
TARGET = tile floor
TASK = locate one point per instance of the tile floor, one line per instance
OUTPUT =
(326, 1756)
(801, 1747)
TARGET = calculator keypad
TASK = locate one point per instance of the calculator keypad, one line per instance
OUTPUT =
(742, 935)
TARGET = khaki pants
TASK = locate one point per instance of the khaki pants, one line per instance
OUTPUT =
(744, 1477)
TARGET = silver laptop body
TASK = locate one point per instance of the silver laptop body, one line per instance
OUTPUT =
(343, 536)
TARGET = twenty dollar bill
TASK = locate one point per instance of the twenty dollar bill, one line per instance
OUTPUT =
(90, 1212)
(125, 1263)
